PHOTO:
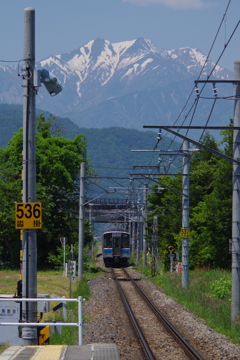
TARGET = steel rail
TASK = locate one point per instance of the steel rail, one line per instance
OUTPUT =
(147, 353)
(188, 349)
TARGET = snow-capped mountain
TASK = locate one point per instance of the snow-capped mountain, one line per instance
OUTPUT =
(122, 84)
(197, 63)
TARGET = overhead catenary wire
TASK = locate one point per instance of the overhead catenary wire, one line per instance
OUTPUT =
(214, 67)
(193, 89)
(205, 127)
(193, 108)
(11, 61)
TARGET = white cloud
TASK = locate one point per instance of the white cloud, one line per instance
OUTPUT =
(175, 4)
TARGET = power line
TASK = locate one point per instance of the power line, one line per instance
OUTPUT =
(11, 61)
(196, 101)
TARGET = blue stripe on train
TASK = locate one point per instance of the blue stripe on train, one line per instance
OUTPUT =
(125, 252)
(107, 252)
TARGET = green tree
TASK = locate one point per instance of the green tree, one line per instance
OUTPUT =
(166, 205)
(10, 192)
(211, 213)
(58, 164)
(210, 207)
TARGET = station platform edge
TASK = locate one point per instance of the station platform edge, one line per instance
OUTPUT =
(62, 352)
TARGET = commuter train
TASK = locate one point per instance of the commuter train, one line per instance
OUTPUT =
(116, 247)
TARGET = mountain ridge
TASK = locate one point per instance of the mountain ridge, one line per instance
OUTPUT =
(100, 72)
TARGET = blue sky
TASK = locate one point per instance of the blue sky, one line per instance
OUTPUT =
(62, 26)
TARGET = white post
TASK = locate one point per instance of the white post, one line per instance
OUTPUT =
(64, 309)
(64, 256)
(80, 323)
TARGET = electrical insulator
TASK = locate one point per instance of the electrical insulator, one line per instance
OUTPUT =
(215, 91)
(159, 137)
(197, 91)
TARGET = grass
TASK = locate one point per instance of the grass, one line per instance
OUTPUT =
(201, 297)
(53, 282)
(3, 347)
(69, 335)
(8, 282)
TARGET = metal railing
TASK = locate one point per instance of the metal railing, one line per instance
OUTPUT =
(78, 324)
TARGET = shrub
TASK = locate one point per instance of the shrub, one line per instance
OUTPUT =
(221, 288)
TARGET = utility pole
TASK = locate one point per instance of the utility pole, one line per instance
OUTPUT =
(185, 213)
(81, 221)
(154, 264)
(29, 247)
(125, 222)
(235, 305)
(130, 228)
(133, 234)
(91, 227)
(138, 233)
(145, 224)
(63, 241)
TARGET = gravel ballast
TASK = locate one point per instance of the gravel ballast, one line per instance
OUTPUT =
(108, 322)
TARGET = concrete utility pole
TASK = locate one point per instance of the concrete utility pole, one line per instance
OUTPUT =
(81, 221)
(125, 227)
(139, 233)
(29, 247)
(91, 227)
(145, 225)
(130, 227)
(63, 241)
(133, 234)
(235, 310)
(185, 213)
(155, 246)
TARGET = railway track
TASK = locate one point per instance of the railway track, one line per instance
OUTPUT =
(154, 342)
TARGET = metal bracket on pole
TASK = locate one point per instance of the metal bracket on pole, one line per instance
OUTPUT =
(167, 128)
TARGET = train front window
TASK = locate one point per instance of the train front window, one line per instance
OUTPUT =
(107, 241)
(125, 241)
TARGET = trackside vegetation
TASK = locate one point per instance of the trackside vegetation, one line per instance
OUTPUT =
(58, 161)
(210, 208)
(59, 285)
(208, 296)
(58, 164)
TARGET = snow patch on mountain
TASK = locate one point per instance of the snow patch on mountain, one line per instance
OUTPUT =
(100, 70)
(194, 60)
(121, 47)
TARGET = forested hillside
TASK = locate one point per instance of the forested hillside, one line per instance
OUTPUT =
(109, 149)
(61, 147)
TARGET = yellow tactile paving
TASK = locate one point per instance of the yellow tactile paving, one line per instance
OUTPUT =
(48, 352)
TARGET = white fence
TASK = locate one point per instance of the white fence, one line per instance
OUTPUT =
(79, 324)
